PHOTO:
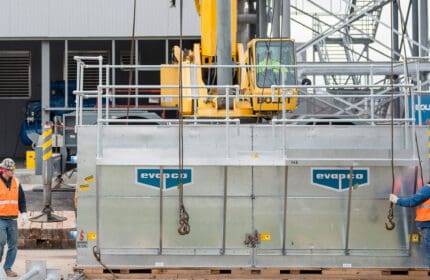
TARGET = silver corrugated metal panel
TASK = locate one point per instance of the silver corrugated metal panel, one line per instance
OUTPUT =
(96, 18)
(305, 205)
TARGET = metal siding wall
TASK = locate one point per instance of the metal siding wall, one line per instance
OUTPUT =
(11, 116)
(12, 111)
(95, 18)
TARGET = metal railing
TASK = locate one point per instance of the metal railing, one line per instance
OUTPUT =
(356, 104)
(371, 91)
(362, 98)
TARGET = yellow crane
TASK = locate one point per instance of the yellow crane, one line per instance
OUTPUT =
(266, 62)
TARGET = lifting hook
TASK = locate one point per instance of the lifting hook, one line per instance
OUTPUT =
(390, 225)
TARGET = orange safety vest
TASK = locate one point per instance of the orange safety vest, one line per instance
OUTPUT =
(9, 198)
(423, 211)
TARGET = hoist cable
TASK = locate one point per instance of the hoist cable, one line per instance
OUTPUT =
(96, 252)
(419, 161)
(409, 89)
(390, 225)
(406, 81)
(259, 69)
(184, 226)
(132, 57)
(281, 8)
(97, 256)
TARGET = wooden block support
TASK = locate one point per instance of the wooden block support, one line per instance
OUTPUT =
(34, 235)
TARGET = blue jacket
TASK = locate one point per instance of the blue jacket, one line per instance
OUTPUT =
(422, 195)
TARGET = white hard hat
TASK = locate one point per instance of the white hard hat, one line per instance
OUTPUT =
(8, 164)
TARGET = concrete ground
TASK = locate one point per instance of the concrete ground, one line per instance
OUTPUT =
(62, 259)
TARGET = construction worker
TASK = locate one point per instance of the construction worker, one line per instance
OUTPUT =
(12, 202)
(267, 72)
(421, 200)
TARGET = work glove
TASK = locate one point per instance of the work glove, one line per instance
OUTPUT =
(393, 198)
(24, 218)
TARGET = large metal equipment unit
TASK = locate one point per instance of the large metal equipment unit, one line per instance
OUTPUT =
(258, 195)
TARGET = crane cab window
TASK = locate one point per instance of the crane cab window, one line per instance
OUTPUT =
(270, 55)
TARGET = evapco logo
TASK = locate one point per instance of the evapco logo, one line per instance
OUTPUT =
(171, 177)
(338, 178)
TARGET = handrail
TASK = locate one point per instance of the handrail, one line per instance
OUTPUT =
(380, 93)
(285, 91)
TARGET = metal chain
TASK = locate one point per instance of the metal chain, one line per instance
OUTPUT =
(184, 227)
(390, 225)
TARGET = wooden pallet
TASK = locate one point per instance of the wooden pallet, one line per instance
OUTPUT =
(257, 273)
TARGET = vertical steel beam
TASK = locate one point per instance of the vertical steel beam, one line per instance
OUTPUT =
(166, 51)
(224, 44)
(136, 73)
(66, 73)
(262, 19)
(276, 19)
(113, 57)
(242, 27)
(424, 36)
(415, 26)
(396, 48)
(424, 25)
(395, 43)
(286, 19)
(45, 79)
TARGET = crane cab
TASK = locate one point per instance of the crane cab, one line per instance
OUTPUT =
(273, 62)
